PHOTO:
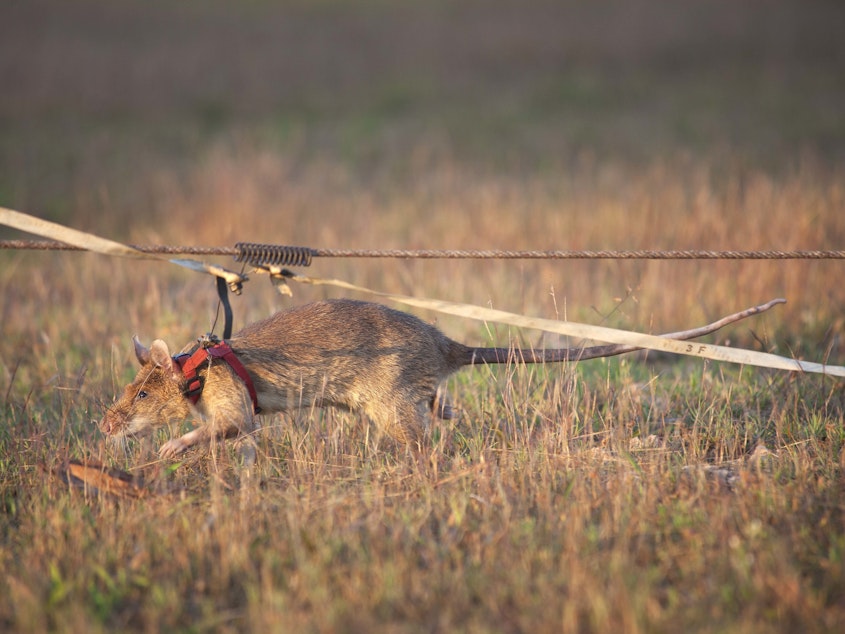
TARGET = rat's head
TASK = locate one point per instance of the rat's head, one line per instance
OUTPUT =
(154, 399)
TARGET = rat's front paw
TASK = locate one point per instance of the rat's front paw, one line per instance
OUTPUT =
(172, 448)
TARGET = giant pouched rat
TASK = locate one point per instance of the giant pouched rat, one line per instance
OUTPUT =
(354, 355)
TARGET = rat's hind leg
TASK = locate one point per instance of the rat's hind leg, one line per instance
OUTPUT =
(441, 405)
(404, 422)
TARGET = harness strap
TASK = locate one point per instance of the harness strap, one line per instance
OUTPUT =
(190, 363)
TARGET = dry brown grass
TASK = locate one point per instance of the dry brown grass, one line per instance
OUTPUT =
(622, 495)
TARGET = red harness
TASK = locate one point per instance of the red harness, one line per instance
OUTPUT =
(190, 363)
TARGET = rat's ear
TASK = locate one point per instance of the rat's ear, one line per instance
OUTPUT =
(160, 355)
(141, 352)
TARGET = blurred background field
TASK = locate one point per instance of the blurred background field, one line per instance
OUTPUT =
(640, 124)
(448, 125)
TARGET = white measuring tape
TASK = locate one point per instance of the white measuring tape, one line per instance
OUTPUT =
(597, 333)
(742, 356)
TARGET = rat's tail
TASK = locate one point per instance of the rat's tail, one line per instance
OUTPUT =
(475, 356)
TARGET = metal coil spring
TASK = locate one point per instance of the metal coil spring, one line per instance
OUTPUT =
(273, 254)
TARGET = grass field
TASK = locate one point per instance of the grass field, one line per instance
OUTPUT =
(636, 494)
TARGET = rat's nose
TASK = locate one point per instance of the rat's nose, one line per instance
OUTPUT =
(105, 425)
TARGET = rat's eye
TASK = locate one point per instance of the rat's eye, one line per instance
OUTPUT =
(141, 394)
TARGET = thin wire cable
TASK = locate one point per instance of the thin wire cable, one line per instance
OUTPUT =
(463, 254)
(585, 254)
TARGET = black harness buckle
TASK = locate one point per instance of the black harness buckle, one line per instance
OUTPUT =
(194, 387)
